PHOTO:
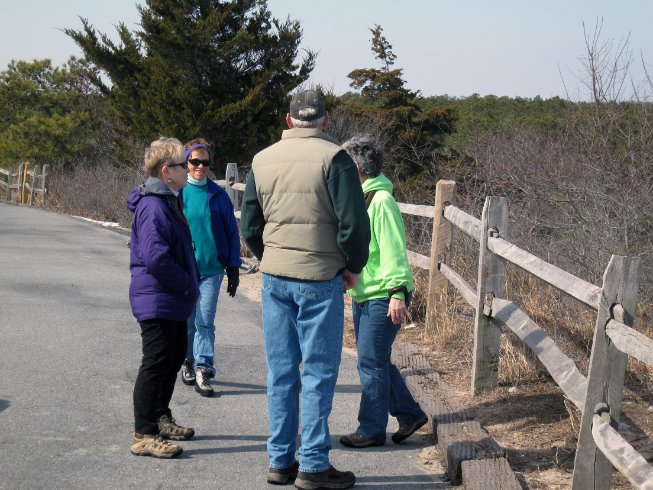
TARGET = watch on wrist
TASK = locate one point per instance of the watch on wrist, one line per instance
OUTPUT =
(398, 289)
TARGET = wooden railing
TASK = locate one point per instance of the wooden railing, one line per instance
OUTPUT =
(598, 396)
(25, 183)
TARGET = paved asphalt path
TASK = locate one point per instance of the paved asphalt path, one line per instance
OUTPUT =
(69, 353)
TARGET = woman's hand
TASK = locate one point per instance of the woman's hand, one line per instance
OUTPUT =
(397, 310)
(349, 279)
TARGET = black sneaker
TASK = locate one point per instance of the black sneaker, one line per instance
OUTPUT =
(281, 476)
(357, 439)
(330, 478)
(405, 431)
(203, 382)
(188, 373)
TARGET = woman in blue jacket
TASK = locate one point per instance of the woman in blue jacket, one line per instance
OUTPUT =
(162, 293)
(214, 230)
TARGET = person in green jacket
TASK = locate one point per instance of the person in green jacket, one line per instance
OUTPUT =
(380, 300)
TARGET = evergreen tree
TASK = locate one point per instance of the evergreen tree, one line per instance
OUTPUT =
(384, 85)
(50, 114)
(217, 69)
(415, 133)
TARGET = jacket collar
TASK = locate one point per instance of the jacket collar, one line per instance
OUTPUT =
(307, 133)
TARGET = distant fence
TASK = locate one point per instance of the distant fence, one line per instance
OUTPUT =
(599, 395)
(25, 183)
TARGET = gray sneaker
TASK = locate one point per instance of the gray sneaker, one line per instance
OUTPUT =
(188, 373)
(203, 382)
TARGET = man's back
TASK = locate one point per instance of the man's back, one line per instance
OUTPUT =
(301, 225)
(313, 221)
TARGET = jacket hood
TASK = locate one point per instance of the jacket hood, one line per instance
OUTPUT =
(152, 186)
(378, 183)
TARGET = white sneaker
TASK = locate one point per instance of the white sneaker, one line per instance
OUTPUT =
(203, 382)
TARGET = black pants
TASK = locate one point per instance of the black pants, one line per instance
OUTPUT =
(164, 350)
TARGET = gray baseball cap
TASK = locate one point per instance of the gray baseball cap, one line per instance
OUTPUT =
(307, 99)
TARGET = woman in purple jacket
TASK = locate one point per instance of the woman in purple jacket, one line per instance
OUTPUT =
(162, 293)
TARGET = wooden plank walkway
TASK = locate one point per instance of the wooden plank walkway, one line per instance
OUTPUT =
(471, 456)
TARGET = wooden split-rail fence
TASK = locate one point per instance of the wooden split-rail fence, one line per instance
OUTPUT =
(21, 186)
(598, 395)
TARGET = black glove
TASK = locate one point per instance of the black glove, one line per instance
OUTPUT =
(233, 279)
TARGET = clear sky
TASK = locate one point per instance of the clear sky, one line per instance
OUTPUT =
(455, 47)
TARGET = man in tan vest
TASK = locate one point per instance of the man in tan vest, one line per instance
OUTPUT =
(304, 217)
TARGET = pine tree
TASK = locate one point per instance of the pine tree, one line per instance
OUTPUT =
(50, 114)
(217, 69)
(413, 134)
(385, 85)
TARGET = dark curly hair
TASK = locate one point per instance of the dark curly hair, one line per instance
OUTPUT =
(366, 151)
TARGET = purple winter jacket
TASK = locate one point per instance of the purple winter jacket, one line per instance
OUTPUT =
(164, 277)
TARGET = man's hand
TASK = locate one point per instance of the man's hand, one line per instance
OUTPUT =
(349, 279)
(233, 279)
(397, 310)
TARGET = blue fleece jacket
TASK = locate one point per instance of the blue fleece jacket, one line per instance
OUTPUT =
(223, 225)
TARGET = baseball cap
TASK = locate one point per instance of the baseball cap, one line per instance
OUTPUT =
(307, 99)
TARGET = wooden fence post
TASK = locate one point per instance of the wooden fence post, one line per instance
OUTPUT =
(231, 177)
(607, 369)
(436, 303)
(46, 172)
(21, 177)
(8, 194)
(491, 284)
(33, 186)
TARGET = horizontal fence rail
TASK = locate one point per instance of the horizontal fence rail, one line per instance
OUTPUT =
(464, 222)
(630, 341)
(416, 209)
(562, 369)
(621, 454)
(583, 291)
(468, 293)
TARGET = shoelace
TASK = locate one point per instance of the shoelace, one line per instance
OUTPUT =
(203, 378)
(161, 442)
(173, 424)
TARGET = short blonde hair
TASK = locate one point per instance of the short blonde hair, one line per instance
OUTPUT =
(161, 152)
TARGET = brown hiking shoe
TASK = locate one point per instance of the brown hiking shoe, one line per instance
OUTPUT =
(405, 431)
(151, 445)
(281, 476)
(168, 429)
(358, 440)
(330, 478)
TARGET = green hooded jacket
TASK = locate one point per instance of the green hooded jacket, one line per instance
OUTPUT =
(387, 266)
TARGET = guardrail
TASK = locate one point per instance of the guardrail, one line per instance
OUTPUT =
(599, 395)
(25, 183)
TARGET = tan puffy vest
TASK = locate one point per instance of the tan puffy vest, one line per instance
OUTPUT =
(300, 225)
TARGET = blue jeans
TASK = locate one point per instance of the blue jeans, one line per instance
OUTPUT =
(302, 322)
(383, 389)
(201, 326)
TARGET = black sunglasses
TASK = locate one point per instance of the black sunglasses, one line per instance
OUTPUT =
(183, 165)
(196, 162)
